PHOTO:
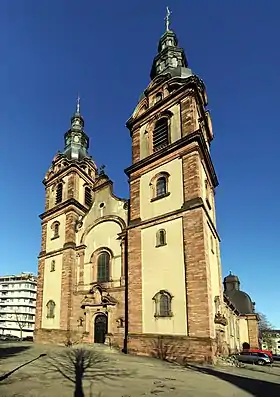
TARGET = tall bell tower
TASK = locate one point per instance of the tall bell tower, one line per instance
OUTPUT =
(68, 185)
(174, 271)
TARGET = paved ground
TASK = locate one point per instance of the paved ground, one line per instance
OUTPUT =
(109, 374)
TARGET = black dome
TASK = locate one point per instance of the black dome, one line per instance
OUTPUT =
(241, 300)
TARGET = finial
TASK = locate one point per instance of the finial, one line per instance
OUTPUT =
(230, 273)
(78, 104)
(101, 170)
(167, 19)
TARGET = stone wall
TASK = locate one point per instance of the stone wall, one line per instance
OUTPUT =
(180, 349)
(253, 330)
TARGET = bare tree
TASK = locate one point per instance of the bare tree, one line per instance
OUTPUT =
(21, 320)
(265, 329)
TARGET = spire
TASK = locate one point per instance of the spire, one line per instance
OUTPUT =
(167, 19)
(78, 105)
(170, 58)
(76, 140)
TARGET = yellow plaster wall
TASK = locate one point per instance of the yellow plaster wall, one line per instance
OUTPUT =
(243, 330)
(144, 142)
(175, 123)
(163, 268)
(236, 332)
(216, 282)
(104, 235)
(111, 207)
(57, 243)
(52, 291)
(167, 204)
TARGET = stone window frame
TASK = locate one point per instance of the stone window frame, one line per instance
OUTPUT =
(161, 312)
(94, 261)
(208, 193)
(153, 185)
(161, 238)
(52, 267)
(50, 309)
(55, 228)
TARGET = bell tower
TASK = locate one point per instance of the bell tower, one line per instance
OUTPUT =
(174, 271)
(68, 185)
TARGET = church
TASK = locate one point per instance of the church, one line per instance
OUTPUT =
(144, 272)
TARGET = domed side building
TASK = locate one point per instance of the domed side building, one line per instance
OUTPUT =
(237, 319)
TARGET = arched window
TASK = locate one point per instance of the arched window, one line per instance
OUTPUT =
(58, 197)
(88, 197)
(163, 304)
(55, 228)
(52, 266)
(161, 186)
(160, 238)
(160, 134)
(50, 309)
(103, 267)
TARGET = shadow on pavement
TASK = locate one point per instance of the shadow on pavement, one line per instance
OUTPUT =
(7, 374)
(79, 364)
(257, 388)
(7, 351)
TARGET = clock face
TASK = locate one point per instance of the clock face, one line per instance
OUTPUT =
(76, 139)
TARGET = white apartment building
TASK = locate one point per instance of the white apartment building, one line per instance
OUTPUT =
(272, 341)
(18, 304)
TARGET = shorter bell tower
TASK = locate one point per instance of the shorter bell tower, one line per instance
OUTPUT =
(68, 184)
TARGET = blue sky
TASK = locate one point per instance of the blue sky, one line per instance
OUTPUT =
(51, 50)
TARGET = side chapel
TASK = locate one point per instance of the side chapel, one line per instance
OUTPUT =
(127, 272)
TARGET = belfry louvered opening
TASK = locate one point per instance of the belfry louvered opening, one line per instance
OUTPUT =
(58, 197)
(160, 134)
(88, 197)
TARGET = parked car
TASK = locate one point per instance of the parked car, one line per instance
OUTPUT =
(253, 358)
(10, 338)
(276, 357)
(268, 352)
(28, 339)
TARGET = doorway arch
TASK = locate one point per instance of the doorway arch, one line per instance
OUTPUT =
(100, 328)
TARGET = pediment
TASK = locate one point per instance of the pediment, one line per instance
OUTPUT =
(140, 108)
(157, 81)
(106, 207)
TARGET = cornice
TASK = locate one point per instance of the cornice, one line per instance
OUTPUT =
(195, 136)
(68, 203)
(71, 166)
(192, 82)
(187, 206)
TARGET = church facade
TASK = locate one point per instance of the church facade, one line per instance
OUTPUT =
(146, 271)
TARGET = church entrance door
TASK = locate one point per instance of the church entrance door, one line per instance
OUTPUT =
(100, 328)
